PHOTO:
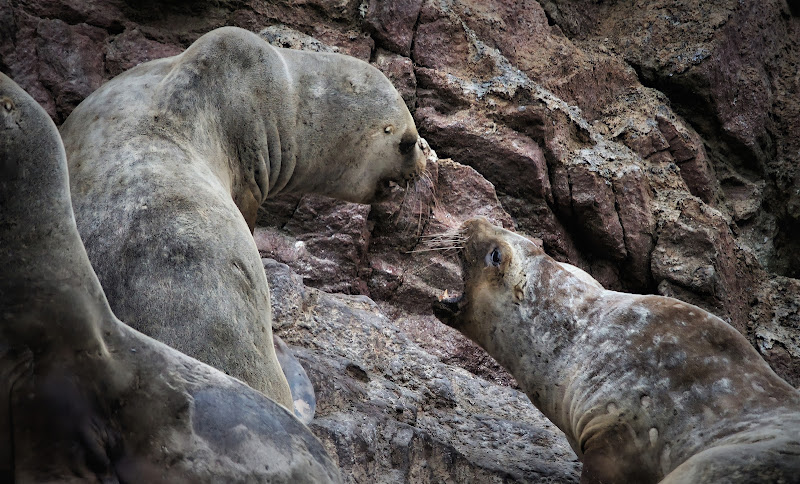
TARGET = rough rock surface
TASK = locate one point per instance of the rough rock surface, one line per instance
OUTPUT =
(653, 144)
(390, 412)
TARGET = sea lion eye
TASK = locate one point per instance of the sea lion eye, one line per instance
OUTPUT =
(495, 257)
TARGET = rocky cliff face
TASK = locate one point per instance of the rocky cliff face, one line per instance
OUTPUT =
(654, 144)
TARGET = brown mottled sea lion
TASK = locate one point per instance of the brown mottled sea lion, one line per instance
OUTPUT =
(170, 161)
(87, 398)
(646, 388)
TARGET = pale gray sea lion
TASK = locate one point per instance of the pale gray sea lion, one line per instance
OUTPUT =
(87, 398)
(646, 388)
(170, 161)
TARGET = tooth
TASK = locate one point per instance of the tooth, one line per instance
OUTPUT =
(443, 296)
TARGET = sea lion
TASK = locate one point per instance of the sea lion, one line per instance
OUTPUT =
(170, 161)
(646, 388)
(87, 398)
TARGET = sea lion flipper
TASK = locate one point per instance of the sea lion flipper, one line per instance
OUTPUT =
(305, 401)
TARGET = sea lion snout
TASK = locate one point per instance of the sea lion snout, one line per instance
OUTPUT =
(486, 257)
(415, 149)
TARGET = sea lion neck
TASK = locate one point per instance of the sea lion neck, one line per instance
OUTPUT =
(540, 321)
(42, 256)
(256, 154)
(316, 79)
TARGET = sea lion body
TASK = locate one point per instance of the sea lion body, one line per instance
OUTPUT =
(170, 161)
(646, 388)
(87, 398)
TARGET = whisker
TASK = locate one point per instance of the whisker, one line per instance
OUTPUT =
(397, 212)
(419, 219)
(434, 249)
(419, 269)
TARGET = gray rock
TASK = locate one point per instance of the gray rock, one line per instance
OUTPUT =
(388, 411)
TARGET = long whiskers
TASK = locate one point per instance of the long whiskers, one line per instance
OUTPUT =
(441, 242)
(415, 206)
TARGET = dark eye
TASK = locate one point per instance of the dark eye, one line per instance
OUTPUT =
(494, 257)
(406, 145)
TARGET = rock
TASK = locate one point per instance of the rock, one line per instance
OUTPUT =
(726, 68)
(505, 157)
(329, 241)
(392, 23)
(399, 70)
(593, 206)
(776, 324)
(131, 48)
(66, 51)
(389, 411)
(653, 145)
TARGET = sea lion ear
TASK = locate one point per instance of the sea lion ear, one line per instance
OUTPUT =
(389, 129)
(519, 290)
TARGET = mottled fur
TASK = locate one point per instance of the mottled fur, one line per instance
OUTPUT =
(88, 399)
(646, 388)
(170, 161)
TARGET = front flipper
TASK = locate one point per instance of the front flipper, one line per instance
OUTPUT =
(305, 402)
(614, 455)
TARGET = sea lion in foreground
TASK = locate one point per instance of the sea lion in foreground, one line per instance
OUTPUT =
(169, 162)
(88, 399)
(646, 388)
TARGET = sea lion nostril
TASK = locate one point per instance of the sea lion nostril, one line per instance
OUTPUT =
(407, 145)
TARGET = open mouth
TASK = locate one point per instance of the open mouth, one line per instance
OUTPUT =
(448, 308)
(384, 190)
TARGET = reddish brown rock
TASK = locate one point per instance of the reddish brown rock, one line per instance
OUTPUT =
(439, 42)
(688, 152)
(131, 48)
(693, 191)
(593, 205)
(392, 23)
(775, 320)
(325, 241)
(67, 52)
(633, 197)
(508, 159)
(730, 69)
(696, 259)
(399, 70)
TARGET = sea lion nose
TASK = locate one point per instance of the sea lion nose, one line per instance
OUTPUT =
(423, 151)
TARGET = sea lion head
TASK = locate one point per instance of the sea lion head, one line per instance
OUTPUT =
(354, 132)
(493, 261)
